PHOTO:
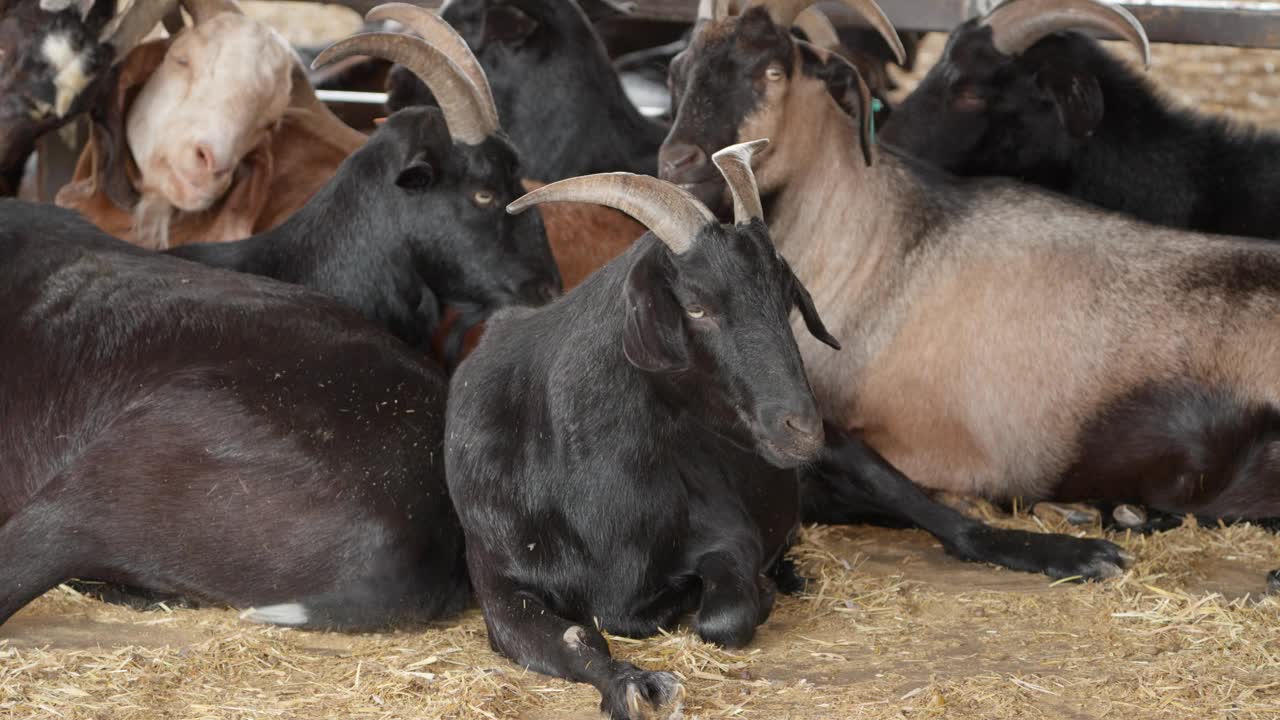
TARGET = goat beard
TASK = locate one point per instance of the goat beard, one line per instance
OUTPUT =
(151, 217)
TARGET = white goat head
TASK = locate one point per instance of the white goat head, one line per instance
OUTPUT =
(223, 86)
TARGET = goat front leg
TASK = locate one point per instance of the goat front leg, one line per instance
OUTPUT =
(853, 480)
(735, 599)
(522, 628)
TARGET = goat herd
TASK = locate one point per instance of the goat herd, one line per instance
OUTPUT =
(222, 373)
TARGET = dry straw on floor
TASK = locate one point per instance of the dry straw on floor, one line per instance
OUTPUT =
(891, 627)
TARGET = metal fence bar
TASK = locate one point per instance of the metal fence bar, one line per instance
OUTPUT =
(1198, 22)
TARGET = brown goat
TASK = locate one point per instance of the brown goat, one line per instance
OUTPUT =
(1000, 340)
(243, 182)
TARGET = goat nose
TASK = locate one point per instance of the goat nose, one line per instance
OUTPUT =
(204, 158)
(807, 426)
(676, 159)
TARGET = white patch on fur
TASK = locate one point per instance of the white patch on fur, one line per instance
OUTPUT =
(573, 637)
(291, 614)
(54, 6)
(151, 221)
(70, 78)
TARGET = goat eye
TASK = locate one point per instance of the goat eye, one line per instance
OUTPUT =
(774, 73)
(483, 198)
(696, 312)
(181, 61)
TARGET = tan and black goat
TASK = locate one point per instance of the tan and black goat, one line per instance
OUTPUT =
(999, 340)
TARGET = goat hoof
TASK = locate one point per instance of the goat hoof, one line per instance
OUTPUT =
(1068, 513)
(641, 695)
(1058, 556)
(1129, 516)
(1273, 581)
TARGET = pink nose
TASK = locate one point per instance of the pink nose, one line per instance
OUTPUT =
(206, 161)
(204, 158)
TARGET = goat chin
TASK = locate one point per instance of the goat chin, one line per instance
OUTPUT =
(151, 218)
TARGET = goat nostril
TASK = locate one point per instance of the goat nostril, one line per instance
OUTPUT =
(684, 157)
(800, 424)
(204, 157)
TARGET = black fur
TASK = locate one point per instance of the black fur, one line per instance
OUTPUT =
(397, 233)
(853, 483)
(558, 95)
(1070, 116)
(27, 90)
(1181, 448)
(219, 436)
(618, 463)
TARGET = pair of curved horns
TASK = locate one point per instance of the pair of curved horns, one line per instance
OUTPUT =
(670, 212)
(785, 13)
(1018, 24)
(439, 58)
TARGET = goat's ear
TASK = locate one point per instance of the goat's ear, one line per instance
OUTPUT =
(850, 92)
(418, 174)
(113, 161)
(812, 320)
(1078, 98)
(507, 25)
(653, 331)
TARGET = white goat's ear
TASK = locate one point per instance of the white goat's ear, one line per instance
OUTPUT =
(418, 174)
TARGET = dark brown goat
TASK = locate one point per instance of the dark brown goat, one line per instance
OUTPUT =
(214, 435)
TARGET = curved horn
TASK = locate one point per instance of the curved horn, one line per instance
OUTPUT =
(136, 22)
(714, 9)
(459, 99)
(735, 165)
(785, 12)
(202, 10)
(818, 28)
(1018, 24)
(669, 212)
(439, 33)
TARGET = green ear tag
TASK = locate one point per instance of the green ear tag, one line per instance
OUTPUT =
(876, 106)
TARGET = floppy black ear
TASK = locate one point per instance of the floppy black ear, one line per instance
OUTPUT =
(417, 175)
(812, 320)
(508, 25)
(1078, 98)
(653, 333)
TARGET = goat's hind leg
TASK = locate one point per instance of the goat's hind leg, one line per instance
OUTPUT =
(524, 629)
(39, 548)
(852, 475)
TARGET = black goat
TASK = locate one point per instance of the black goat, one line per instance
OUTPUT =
(216, 435)
(414, 219)
(1016, 95)
(557, 93)
(627, 454)
(53, 64)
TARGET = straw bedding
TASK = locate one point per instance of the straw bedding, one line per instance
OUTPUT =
(890, 627)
